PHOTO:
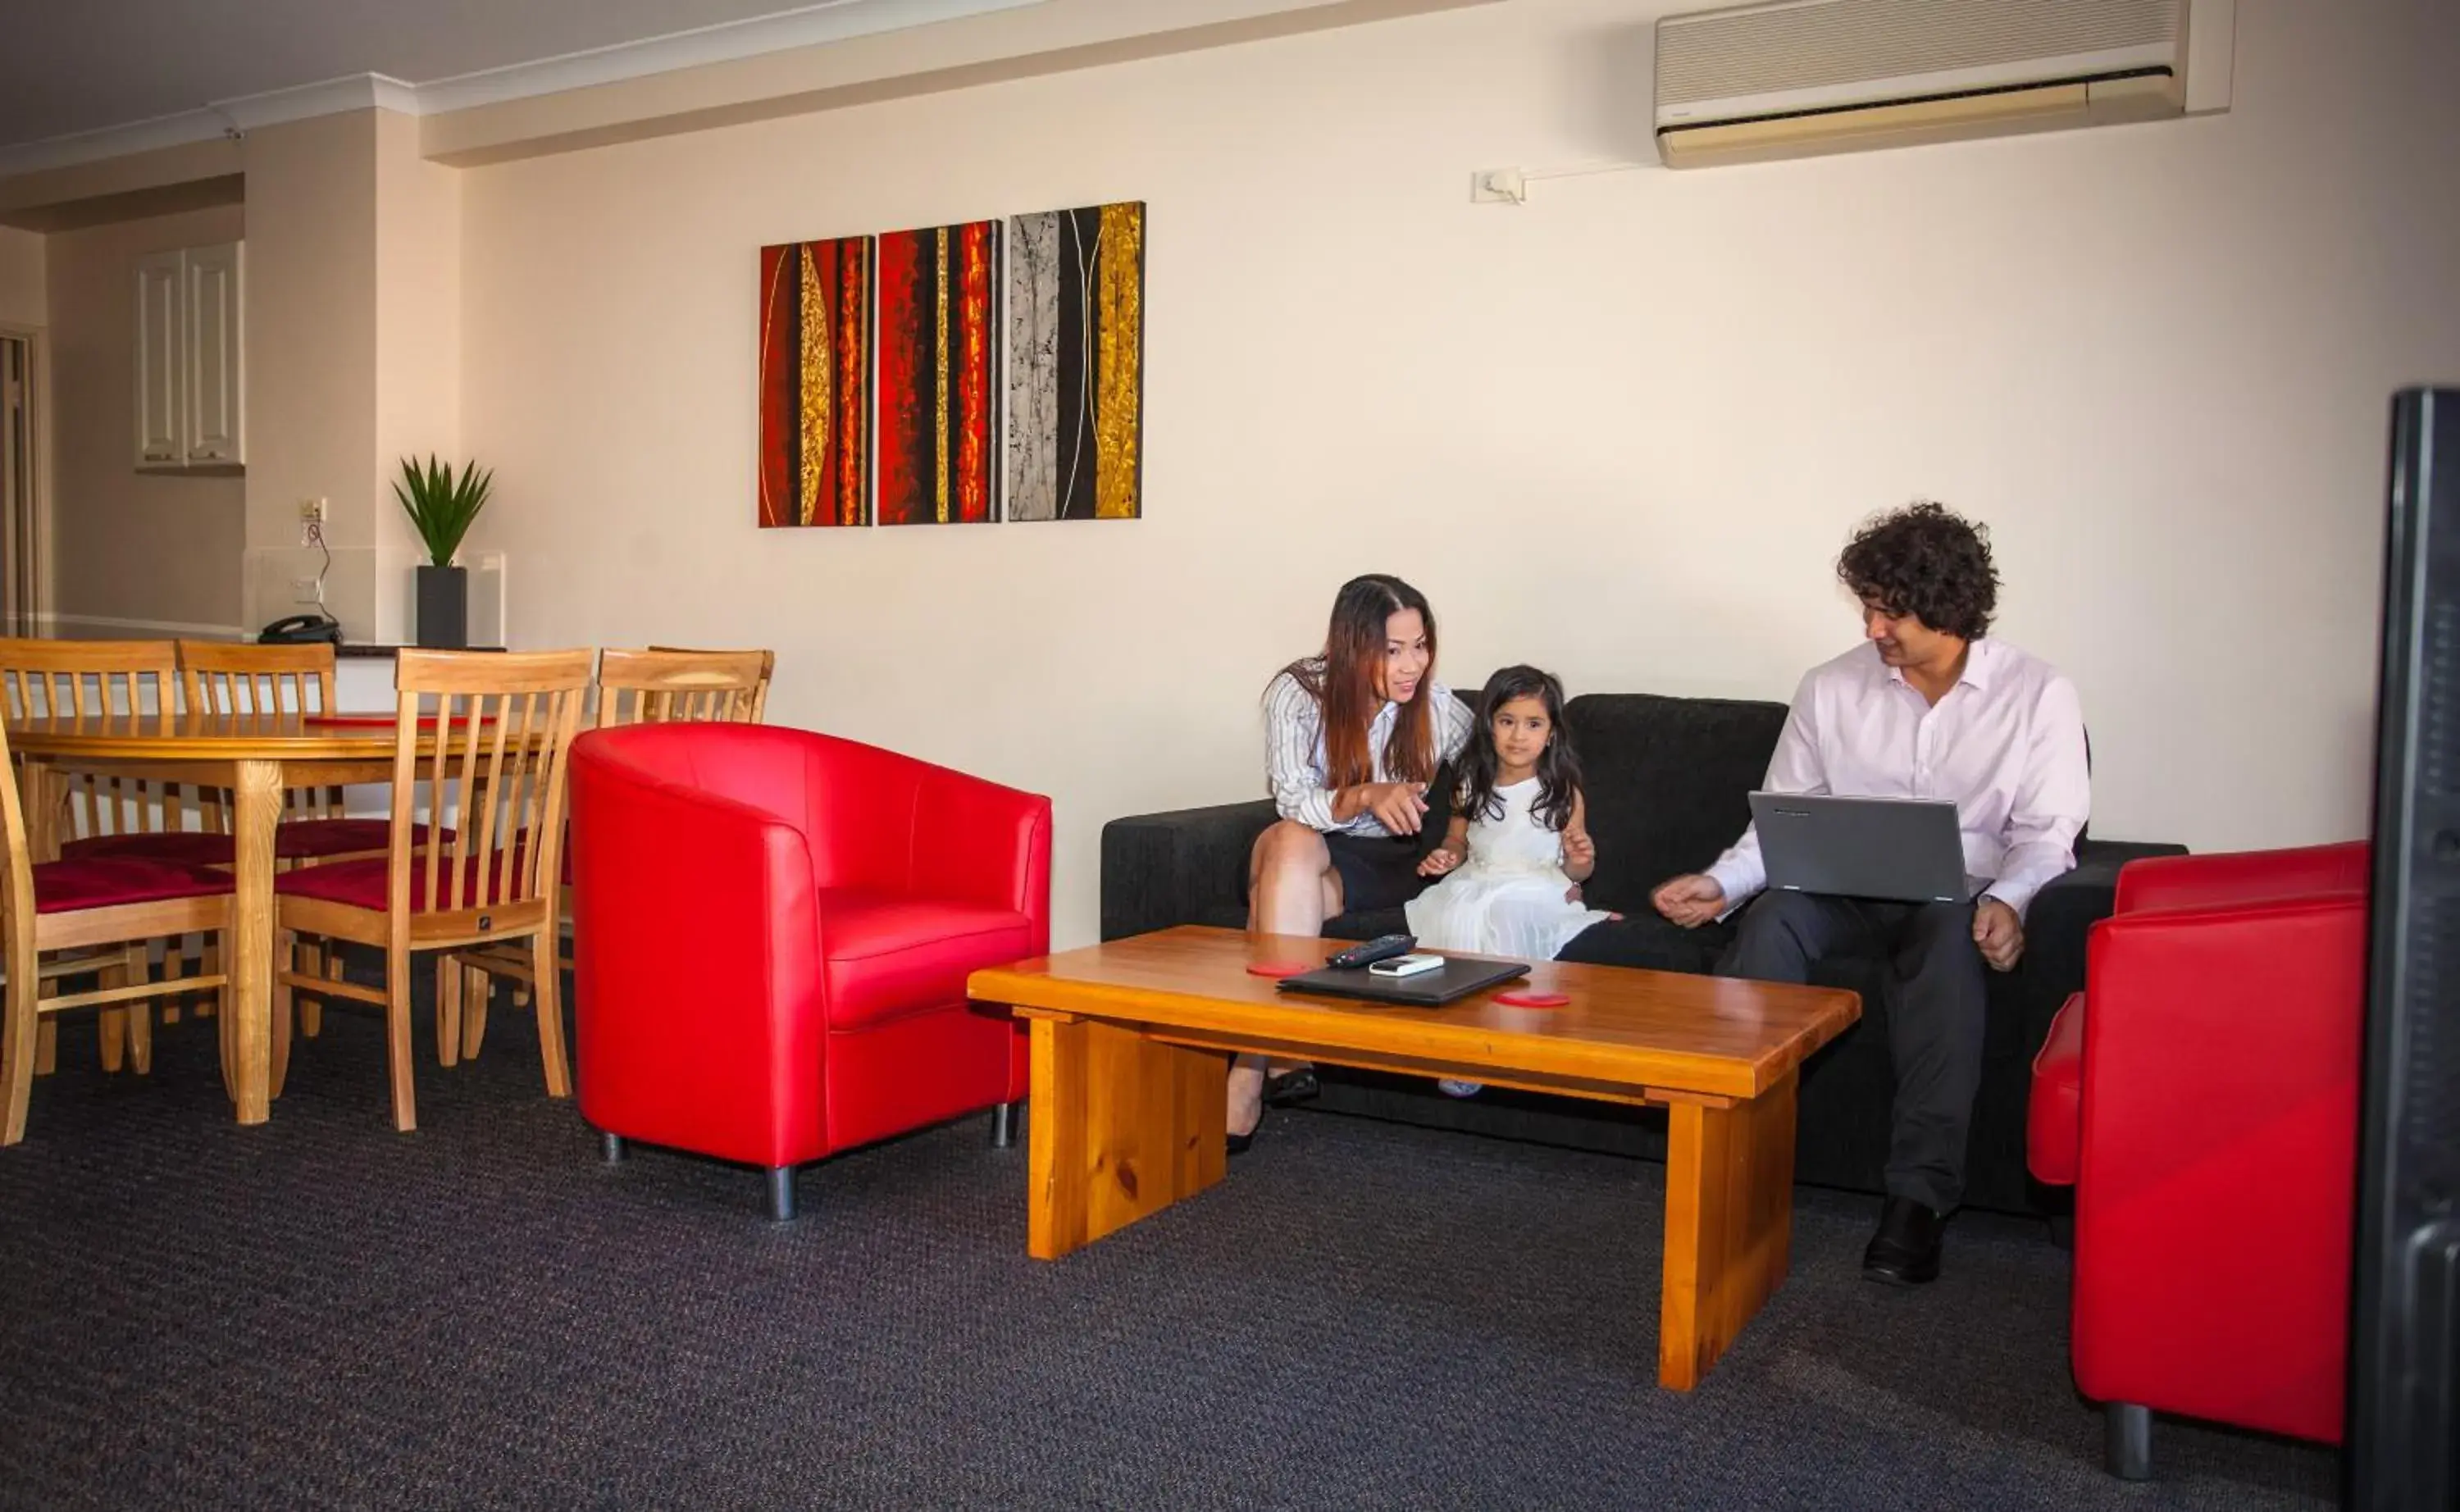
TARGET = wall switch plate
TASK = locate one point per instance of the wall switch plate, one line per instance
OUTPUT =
(303, 590)
(1498, 187)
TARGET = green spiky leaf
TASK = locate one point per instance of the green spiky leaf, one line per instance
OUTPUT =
(441, 506)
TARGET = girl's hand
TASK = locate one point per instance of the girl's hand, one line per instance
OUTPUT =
(1579, 854)
(1439, 861)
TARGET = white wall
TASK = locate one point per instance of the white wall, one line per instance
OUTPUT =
(1619, 432)
(132, 553)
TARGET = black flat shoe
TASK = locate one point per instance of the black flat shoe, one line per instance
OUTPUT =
(1292, 1087)
(1905, 1250)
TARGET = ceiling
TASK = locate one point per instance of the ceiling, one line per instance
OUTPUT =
(79, 65)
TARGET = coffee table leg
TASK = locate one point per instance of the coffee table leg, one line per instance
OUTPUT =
(1729, 1225)
(1119, 1127)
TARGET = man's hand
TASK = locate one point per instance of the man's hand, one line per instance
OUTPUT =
(2000, 934)
(1439, 861)
(1580, 853)
(1690, 900)
(1397, 807)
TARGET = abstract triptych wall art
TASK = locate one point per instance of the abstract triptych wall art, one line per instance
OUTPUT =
(815, 356)
(1076, 295)
(939, 376)
(956, 374)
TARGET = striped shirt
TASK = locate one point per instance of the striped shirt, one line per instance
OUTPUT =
(1294, 759)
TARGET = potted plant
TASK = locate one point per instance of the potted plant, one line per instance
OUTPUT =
(441, 506)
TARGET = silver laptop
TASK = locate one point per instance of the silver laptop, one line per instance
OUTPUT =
(1898, 849)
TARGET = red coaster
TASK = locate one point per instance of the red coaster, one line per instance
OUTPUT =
(1532, 999)
(1279, 968)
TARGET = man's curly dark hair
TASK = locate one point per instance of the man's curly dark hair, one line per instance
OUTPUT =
(1927, 560)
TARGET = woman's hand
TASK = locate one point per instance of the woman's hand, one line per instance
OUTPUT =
(1400, 808)
(1690, 900)
(1439, 861)
(1579, 855)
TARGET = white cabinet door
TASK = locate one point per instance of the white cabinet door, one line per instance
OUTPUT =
(161, 439)
(212, 371)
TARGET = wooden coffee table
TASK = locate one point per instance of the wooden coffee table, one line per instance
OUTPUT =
(1128, 1094)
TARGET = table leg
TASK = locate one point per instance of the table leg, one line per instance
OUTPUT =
(1729, 1225)
(249, 1035)
(1120, 1127)
(39, 796)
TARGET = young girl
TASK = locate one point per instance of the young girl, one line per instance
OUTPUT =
(1520, 845)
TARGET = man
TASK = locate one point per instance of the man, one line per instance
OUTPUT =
(1926, 708)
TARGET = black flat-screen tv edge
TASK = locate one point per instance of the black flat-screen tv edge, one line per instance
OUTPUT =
(2403, 1416)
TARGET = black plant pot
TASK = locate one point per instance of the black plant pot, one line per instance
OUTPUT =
(443, 606)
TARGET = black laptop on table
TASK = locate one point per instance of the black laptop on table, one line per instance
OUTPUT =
(1455, 979)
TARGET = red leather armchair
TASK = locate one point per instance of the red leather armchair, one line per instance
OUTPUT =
(771, 933)
(2201, 1096)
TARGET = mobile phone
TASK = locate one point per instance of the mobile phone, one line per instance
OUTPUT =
(1404, 966)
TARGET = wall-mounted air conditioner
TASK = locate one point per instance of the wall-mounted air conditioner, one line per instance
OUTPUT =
(1804, 76)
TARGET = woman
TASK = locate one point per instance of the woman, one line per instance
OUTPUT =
(1353, 736)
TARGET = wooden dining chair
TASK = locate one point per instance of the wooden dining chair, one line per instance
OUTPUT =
(92, 916)
(81, 816)
(501, 725)
(231, 679)
(660, 683)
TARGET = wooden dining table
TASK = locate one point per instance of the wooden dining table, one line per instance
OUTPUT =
(255, 757)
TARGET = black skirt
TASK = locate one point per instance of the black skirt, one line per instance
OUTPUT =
(1377, 871)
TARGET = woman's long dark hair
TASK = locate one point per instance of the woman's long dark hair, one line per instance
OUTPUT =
(1342, 683)
(1558, 768)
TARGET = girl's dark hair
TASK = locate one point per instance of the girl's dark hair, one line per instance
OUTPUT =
(1342, 683)
(1558, 767)
(1928, 561)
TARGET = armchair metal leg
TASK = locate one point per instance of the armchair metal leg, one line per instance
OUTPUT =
(1005, 1119)
(2128, 1441)
(610, 1146)
(782, 1195)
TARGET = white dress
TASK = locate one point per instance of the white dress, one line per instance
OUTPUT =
(1508, 897)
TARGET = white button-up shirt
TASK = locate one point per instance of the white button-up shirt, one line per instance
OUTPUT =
(2006, 744)
(1294, 758)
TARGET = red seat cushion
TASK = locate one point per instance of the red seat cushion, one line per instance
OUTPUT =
(68, 886)
(885, 957)
(190, 846)
(362, 884)
(2054, 1115)
(308, 839)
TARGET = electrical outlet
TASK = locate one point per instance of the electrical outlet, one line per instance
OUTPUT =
(311, 521)
(303, 590)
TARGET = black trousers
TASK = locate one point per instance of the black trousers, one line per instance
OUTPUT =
(1935, 1002)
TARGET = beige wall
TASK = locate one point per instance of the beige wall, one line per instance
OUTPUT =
(22, 298)
(311, 360)
(130, 550)
(418, 343)
(1619, 432)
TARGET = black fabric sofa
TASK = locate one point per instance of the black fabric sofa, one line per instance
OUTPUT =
(1667, 786)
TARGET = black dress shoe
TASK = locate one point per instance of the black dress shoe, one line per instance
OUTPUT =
(1905, 1250)
(1239, 1143)
(1291, 1087)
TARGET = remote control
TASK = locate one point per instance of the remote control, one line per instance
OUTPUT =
(1373, 950)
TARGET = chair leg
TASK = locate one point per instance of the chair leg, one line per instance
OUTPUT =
(448, 1010)
(47, 1047)
(111, 1025)
(312, 1012)
(135, 967)
(397, 1052)
(285, 954)
(782, 1195)
(19, 1036)
(307, 1006)
(1004, 1122)
(2127, 1441)
(474, 1013)
(610, 1148)
(550, 1015)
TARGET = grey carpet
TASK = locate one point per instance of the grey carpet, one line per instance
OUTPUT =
(320, 1312)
